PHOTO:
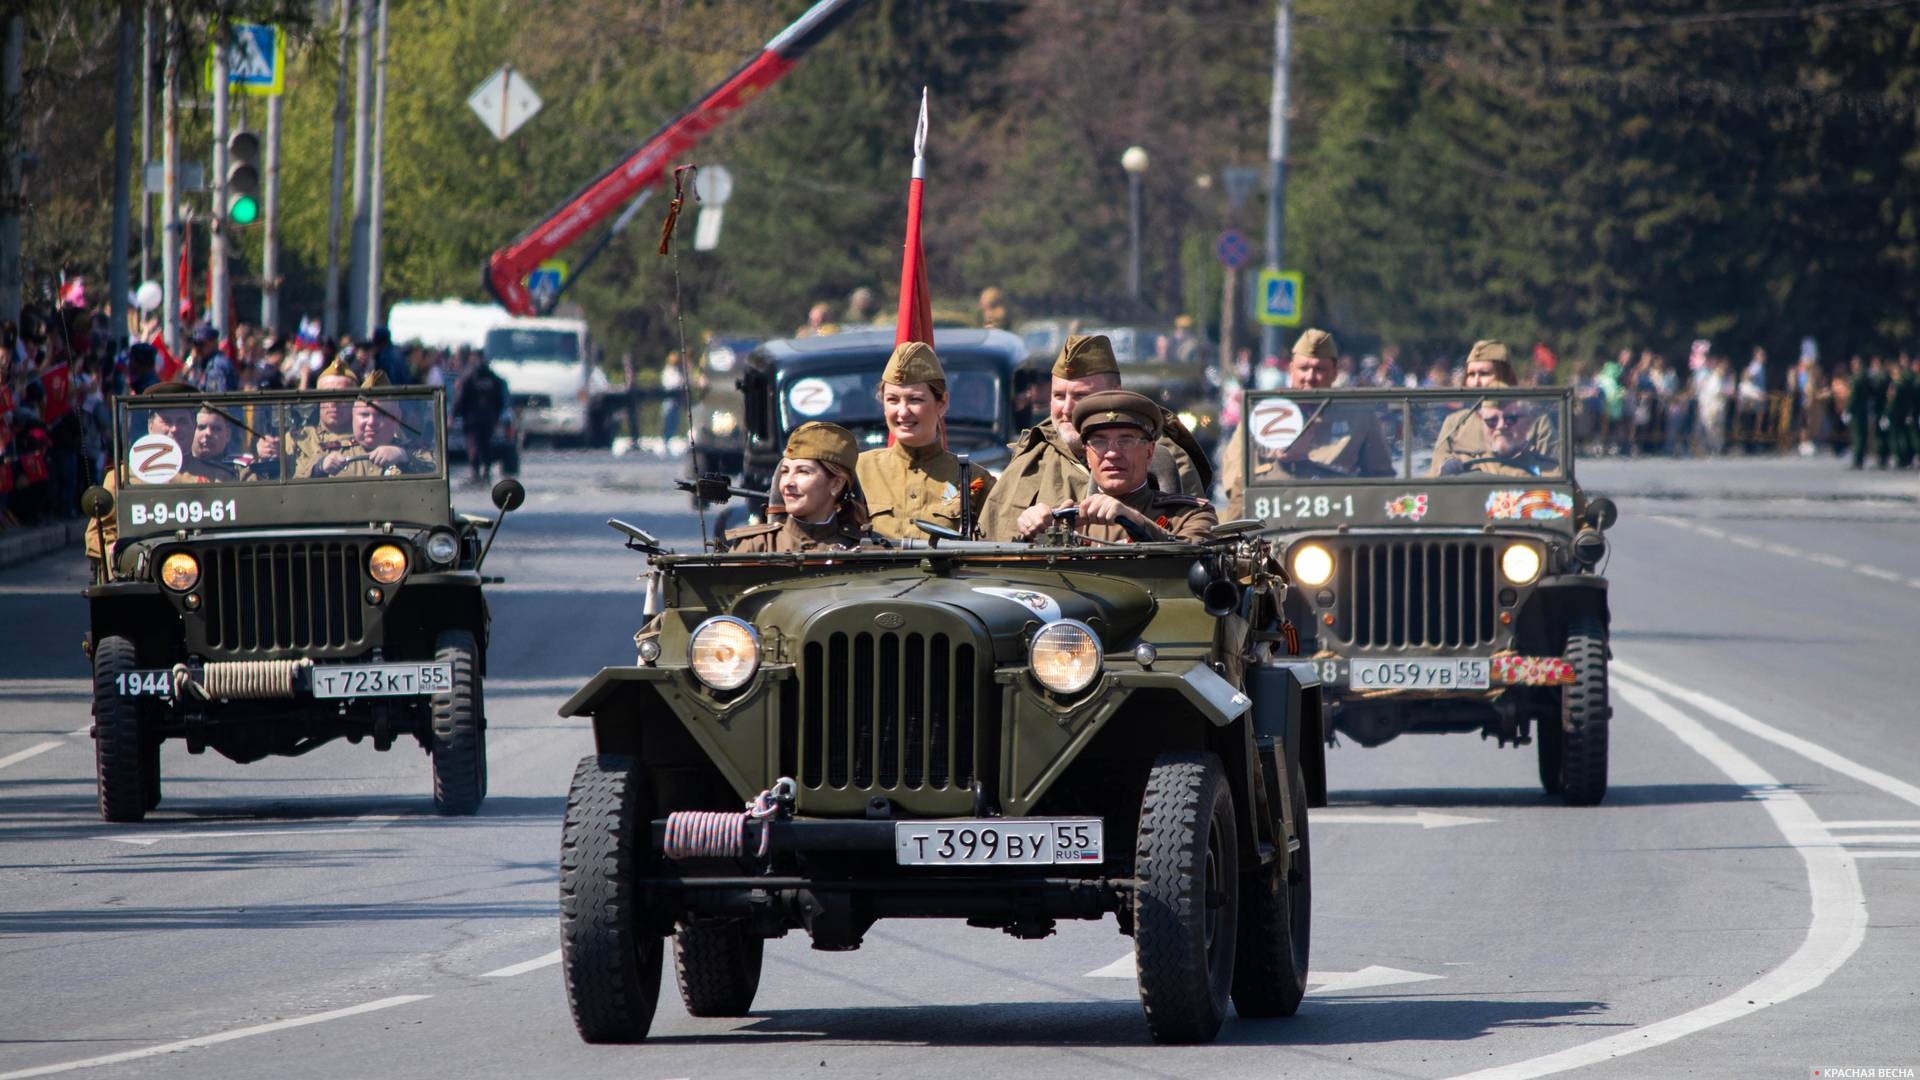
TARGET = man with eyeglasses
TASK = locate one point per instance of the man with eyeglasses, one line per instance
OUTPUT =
(1118, 430)
(1509, 449)
(1343, 439)
(1462, 435)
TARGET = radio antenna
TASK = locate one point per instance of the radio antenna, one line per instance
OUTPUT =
(683, 177)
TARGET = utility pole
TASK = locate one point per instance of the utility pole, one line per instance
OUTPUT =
(122, 170)
(270, 231)
(377, 197)
(146, 138)
(362, 121)
(1277, 157)
(217, 223)
(10, 195)
(170, 188)
(330, 319)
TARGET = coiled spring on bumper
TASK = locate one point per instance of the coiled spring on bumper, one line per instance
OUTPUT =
(718, 834)
(240, 680)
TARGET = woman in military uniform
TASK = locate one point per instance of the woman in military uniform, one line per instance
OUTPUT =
(916, 478)
(815, 482)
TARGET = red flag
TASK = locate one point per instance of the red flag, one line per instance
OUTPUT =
(186, 276)
(916, 306)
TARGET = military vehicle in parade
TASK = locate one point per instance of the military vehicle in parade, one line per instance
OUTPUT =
(1002, 733)
(1447, 568)
(281, 570)
(1167, 363)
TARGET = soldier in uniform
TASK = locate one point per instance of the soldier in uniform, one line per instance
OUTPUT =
(1461, 433)
(1047, 466)
(824, 512)
(916, 477)
(176, 424)
(378, 446)
(207, 460)
(1118, 429)
(1343, 440)
(329, 438)
(1509, 449)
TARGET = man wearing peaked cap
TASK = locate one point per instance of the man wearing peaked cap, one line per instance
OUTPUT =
(1118, 429)
(328, 430)
(1344, 439)
(1463, 436)
(1047, 467)
(916, 478)
(815, 482)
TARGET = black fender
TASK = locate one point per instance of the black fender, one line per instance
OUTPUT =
(1553, 604)
(1287, 705)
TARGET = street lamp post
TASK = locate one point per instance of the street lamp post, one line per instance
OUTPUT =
(1135, 162)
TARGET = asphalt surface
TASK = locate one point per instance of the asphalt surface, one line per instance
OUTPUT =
(1744, 903)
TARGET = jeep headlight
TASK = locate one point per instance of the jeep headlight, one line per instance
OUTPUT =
(725, 652)
(180, 571)
(1520, 563)
(1065, 657)
(387, 564)
(1191, 420)
(1312, 564)
(722, 423)
(442, 547)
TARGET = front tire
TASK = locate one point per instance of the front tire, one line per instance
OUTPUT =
(1186, 905)
(609, 952)
(120, 760)
(459, 746)
(1276, 922)
(718, 968)
(1586, 712)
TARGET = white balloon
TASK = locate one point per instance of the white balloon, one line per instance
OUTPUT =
(148, 296)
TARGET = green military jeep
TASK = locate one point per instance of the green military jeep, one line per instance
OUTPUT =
(1004, 734)
(1445, 566)
(284, 569)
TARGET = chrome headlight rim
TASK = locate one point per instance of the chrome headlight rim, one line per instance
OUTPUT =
(1515, 565)
(192, 572)
(751, 669)
(1320, 561)
(1091, 641)
(374, 562)
(442, 548)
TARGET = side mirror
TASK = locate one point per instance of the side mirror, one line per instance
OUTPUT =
(97, 502)
(1601, 513)
(509, 495)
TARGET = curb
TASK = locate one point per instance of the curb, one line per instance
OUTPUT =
(19, 545)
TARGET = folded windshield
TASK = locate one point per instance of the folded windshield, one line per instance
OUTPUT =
(851, 398)
(317, 437)
(1309, 437)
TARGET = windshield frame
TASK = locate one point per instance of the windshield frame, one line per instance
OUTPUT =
(983, 363)
(572, 335)
(1313, 403)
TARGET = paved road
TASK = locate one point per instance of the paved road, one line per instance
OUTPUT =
(1743, 904)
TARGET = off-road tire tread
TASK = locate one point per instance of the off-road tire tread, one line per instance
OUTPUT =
(119, 757)
(609, 956)
(1183, 1004)
(459, 729)
(1267, 980)
(718, 968)
(1586, 715)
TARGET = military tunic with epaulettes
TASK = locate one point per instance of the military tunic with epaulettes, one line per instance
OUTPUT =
(834, 534)
(902, 484)
(1170, 516)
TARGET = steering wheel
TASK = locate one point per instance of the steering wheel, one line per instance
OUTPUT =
(1309, 469)
(1456, 466)
(1134, 530)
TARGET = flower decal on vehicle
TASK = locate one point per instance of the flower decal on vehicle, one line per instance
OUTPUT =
(1412, 506)
(1512, 504)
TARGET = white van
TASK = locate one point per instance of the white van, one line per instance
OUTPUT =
(444, 324)
(547, 363)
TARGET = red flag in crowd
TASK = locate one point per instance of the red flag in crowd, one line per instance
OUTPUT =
(916, 306)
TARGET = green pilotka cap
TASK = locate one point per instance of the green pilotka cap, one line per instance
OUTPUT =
(1086, 355)
(821, 441)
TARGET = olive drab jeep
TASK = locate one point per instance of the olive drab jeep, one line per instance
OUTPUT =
(1004, 734)
(1445, 566)
(277, 570)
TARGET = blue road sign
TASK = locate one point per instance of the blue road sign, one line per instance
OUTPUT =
(256, 59)
(1232, 249)
(1280, 298)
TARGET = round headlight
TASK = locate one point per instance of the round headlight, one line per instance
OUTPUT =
(1191, 420)
(725, 652)
(722, 423)
(442, 547)
(1312, 564)
(387, 564)
(1065, 657)
(1521, 563)
(180, 571)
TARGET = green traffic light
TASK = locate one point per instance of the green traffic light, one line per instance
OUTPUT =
(244, 210)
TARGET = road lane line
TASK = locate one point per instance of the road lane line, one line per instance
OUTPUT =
(1834, 933)
(1883, 854)
(215, 1039)
(524, 966)
(1812, 751)
(35, 750)
(1426, 819)
(1879, 838)
(1876, 572)
(1902, 824)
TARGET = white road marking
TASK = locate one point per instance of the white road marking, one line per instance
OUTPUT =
(363, 823)
(1834, 561)
(80, 686)
(524, 966)
(1426, 819)
(1882, 838)
(1812, 751)
(1834, 933)
(35, 750)
(1883, 854)
(215, 1039)
(1122, 968)
(1876, 572)
(1318, 982)
(1874, 824)
(1822, 558)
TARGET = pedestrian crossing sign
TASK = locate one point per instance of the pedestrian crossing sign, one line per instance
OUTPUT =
(256, 59)
(1279, 298)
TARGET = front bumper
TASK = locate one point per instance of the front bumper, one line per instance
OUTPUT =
(1505, 671)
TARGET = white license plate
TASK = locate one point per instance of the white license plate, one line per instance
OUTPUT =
(381, 680)
(999, 842)
(1458, 674)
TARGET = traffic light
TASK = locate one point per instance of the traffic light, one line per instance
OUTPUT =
(243, 177)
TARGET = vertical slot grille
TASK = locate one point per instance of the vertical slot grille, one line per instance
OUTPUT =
(886, 711)
(276, 597)
(1421, 594)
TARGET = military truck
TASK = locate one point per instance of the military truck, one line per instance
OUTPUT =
(1005, 734)
(1446, 566)
(285, 569)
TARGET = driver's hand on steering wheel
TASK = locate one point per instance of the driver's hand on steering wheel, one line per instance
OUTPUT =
(1452, 467)
(1099, 508)
(1036, 518)
(388, 456)
(332, 463)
